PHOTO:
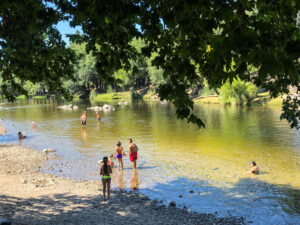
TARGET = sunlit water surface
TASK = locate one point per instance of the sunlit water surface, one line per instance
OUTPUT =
(207, 167)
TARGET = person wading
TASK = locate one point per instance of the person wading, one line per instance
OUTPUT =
(133, 150)
(83, 119)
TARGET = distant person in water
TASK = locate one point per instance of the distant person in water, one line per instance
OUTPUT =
(34, 125)
(98, 117)
(105, 171)
(133, 150)
(21, 136)
(119, 152)
(83, 119)
(254, 168)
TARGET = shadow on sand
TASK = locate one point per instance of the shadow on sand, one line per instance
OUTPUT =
(134, 208)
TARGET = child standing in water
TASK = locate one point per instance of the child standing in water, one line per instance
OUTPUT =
(98, 117)
(105, 171)
(110, 162)
(119, 152)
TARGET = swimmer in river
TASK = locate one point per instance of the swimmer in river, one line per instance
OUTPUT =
(83, 119)
(254, 169)
(21, 136)
(98, 117)
(119, 152)
(105, 171)
(34, 125)
(133, 150)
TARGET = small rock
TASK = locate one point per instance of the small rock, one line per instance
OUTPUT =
(23, 181)
(60, 171)
(172, 204)
(191, 191)
(180, 196)
(48, 150)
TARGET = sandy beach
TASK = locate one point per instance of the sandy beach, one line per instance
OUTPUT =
(28, 196)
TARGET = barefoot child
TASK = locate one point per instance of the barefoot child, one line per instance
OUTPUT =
(110, 161)
(105, 171)
(98, 117)
(119, 152)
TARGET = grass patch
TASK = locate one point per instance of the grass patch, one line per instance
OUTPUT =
(263, 94)
(76, 97)
(112, 96)
(265, 98)
(151, 96)
(39, 97)
(275, 101)
(208, 100)
(21, 97)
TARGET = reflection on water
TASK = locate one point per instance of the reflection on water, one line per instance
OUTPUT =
(175, 157)
(134, 182)
(84, 134)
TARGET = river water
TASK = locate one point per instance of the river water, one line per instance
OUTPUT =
(202, 169)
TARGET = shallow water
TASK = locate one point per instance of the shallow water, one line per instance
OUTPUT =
(206, 166)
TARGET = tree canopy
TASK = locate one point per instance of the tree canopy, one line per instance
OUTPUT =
(223, 39)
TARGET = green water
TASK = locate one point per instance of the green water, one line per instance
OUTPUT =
(176, 157)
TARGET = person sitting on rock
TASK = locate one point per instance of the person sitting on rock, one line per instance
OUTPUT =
(21, 136)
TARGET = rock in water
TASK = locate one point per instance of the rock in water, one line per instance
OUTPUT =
(48, 150)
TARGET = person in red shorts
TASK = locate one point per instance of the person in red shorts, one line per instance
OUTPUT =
(133, 149)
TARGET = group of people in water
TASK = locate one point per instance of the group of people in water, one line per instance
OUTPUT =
(107, 164)
(83, 118)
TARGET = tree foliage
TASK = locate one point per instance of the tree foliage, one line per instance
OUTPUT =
(211, 34)
(237, 92)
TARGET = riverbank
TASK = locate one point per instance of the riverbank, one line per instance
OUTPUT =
(29, 196)
(260, 99)
(111, 96)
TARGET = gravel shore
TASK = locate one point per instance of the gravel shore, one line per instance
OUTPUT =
(28, 196)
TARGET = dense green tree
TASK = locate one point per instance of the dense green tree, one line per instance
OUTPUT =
(211, 34)
(31, 48)
(237, 92)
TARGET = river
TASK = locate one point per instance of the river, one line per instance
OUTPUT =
(202, 169)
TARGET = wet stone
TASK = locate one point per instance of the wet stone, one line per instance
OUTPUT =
(172, 204)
